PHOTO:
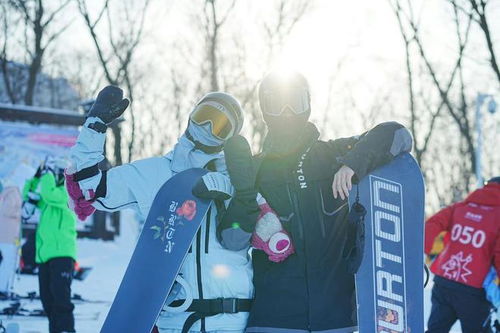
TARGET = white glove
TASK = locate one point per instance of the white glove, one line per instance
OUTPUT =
(34, 197)
(27, 210)
(214, 185)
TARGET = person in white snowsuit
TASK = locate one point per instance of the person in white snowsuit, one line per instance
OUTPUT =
(214, 278)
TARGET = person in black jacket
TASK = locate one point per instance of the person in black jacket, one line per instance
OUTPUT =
(306, 181)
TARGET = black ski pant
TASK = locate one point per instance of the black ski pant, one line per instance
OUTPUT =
(28, 253)
(452, 301)
(54, 279)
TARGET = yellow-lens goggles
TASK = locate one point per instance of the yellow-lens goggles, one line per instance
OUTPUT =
(221, 127)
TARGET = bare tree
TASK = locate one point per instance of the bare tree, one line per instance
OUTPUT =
(11, 76)
(285, 17)
(116, 57)
(226, 70)
(477, 10)
(39, 24)
(276, 29)
(457, 110)
(423, 117)
(325, 124)
(213, 23)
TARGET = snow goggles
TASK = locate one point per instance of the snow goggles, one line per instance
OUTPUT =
(295, 100)
(213, 113)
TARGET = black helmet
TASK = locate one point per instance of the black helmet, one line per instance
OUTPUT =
(281, 94)
(494, 180)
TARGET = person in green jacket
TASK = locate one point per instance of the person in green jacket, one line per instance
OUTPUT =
(55, 243)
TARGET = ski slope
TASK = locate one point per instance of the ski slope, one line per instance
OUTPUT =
(109, 261)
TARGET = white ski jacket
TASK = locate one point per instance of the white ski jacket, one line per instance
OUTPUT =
(210, 270)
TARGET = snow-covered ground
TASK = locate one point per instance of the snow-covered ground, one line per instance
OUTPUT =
(109, 261)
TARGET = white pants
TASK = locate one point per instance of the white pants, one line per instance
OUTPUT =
(8, 266)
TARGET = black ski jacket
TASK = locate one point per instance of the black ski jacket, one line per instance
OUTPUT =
(312, 290)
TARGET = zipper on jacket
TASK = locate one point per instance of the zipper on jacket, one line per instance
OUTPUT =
(295, 206)
(38, 248)
(198, 272)
(320, 214)
(320, 206)
(207, 229)
(293, 197)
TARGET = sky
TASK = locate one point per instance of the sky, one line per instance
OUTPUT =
(363, 35)
(351, 52)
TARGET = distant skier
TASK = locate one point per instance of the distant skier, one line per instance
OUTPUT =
(491, 286)
(55, 243)
(219, 280)
(10, 220)
(460, 269)
(309, 288)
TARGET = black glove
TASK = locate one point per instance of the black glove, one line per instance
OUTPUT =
(240, 164)
(243, 209)
(109, 104)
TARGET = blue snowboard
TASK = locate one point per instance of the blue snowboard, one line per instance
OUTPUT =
(12, 328)
(389, 282)
(173, 220)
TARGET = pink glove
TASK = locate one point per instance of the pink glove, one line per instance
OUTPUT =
(82, 207)
(269, 234)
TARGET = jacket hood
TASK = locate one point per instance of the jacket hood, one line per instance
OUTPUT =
(489, 195)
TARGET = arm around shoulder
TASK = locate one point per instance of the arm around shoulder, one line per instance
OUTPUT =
(377, 147)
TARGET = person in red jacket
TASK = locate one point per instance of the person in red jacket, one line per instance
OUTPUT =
(473, 226)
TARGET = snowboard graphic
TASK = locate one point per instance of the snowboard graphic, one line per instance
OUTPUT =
(389, 282)
(172, 223)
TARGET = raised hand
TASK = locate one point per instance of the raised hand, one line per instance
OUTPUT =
(109, 104)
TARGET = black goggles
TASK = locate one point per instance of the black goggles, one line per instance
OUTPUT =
(275, 103)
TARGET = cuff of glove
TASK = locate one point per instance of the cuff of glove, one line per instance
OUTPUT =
(89, 146)
(82, 207)
(90, 137)
(33, 201)
(98, 127)
(93, 120)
